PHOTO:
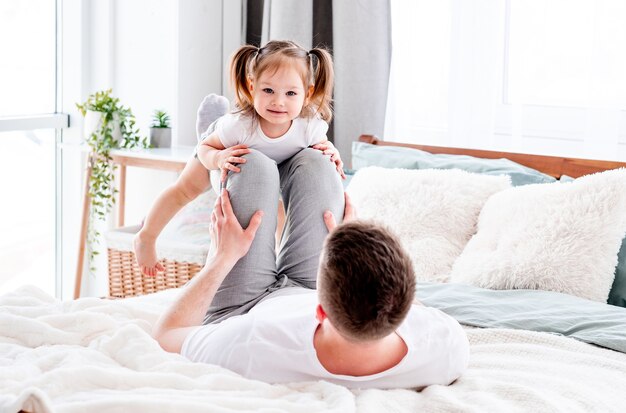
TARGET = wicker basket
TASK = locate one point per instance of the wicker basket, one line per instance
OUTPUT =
(181, 261)
(126, 280)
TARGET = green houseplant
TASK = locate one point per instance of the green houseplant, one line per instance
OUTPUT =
(160, 130)
(108, 125)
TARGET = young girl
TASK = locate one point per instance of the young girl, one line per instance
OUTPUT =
(283, 100)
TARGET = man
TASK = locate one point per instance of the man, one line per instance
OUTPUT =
(360, 328)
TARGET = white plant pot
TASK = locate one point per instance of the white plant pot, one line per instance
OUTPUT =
(161, 137)
(93, 123)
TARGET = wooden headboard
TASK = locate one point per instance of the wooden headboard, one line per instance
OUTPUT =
(550, 165)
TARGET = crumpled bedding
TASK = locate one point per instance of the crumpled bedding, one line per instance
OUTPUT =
(97, 355)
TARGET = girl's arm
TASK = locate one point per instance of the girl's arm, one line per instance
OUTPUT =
(213, 155)
(192, 181)
(208, 150)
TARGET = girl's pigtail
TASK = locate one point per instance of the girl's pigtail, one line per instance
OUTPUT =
(323, 78)
(239, 70)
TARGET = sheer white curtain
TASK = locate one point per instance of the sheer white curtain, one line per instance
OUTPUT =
(539, 76)
(417, 103)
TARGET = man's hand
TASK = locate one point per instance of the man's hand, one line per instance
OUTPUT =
(231, 241)
(188, 309)
(349, 213)
(229, 158)
(328, 148)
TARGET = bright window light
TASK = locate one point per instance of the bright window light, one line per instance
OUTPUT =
(27, 158)
(27, 210)
(27, 71)
(567, 53)
(420, 66)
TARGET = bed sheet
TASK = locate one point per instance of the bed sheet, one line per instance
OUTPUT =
(97, 355)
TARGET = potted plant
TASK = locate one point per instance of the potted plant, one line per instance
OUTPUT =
(108, 125)
(160, 130)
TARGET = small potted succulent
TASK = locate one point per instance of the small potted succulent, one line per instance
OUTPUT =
(160, 130)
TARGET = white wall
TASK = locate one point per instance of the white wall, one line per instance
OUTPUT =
(155, 54)
(143, 57)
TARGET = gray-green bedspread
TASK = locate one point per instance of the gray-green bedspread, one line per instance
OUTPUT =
(535, 310)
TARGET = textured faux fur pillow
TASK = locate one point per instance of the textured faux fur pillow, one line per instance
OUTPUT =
(434, 212)
(560, 237)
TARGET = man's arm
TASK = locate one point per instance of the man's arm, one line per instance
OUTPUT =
(188, 310)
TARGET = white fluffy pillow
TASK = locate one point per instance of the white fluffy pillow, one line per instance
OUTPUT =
(560, 237)
(434, 212)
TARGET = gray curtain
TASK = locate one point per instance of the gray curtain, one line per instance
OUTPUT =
(357, 33)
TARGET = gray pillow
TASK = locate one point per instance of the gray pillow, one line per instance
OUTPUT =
(365, 154)
(617, 296)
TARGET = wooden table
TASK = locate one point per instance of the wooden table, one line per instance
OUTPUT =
(165, 159)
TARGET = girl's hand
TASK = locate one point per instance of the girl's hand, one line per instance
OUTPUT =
(229, 158)
(328, 148)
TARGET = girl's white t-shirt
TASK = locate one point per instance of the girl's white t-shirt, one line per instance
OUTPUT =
(234, 129)
(274, 343)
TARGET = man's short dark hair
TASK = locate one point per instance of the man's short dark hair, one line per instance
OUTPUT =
(366, 281)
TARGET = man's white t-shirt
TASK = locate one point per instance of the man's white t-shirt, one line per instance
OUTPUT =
(274, 343)
(235, 129)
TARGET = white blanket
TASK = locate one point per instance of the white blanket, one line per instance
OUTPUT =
(97, 355)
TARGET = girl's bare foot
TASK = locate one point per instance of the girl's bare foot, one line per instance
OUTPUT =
(145, 252)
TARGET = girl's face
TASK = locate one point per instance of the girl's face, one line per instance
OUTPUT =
(278, 99)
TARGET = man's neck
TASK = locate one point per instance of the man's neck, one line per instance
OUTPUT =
(340, 356)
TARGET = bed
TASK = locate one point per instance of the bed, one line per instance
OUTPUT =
(553, 349)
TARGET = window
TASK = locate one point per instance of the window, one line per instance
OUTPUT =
(28, 69)
(30, 130)
(567, 53)
(27, 218)
(534, 76)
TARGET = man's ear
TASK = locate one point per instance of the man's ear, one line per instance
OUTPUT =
(320, 314)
